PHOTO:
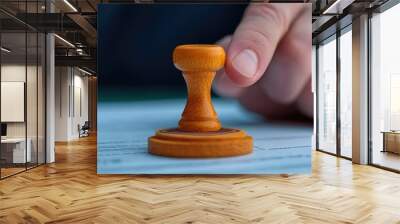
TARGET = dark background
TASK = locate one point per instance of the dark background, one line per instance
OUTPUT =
(135, 42)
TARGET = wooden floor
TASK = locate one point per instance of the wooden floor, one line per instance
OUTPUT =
(70, 191)
(5, 172)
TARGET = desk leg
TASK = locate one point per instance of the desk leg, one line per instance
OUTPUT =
(384, 143)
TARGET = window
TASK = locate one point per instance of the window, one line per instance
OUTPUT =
(346, 92)
(327, 96)
(385, 89)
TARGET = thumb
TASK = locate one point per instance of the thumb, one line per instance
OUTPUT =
(256, 38)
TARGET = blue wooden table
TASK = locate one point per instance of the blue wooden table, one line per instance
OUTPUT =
(123, 129)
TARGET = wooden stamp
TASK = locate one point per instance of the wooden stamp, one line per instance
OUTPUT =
(199, 133)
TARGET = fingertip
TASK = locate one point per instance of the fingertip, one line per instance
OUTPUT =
(230, 74)
(255, 39)
(244, 65)
(242, 68)
(248, 56)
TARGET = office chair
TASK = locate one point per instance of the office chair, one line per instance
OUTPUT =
(84, 130)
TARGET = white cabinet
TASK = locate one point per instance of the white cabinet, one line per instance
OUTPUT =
(19, 154)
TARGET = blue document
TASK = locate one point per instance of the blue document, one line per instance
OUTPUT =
(123, 129)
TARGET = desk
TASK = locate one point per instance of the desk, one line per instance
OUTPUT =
(391, 141)
(13, 150)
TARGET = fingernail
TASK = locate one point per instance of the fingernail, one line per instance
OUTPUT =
(246, 63)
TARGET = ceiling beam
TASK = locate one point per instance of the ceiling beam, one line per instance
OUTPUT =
(84, 24)
(81, 61)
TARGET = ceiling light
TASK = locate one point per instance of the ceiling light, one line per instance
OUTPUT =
(70, 5)
(84, 71)
(79, 51)
(65, 41)
(5, 50)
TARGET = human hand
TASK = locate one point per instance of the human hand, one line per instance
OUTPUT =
(268, 67)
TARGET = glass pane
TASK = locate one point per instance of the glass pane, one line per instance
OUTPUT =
(41, 98)
(346, 94)
(31, 97)
(327, 96)
(386, 89)
(13, 88)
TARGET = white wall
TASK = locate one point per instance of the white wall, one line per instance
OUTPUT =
(62, 82)
(71, 87)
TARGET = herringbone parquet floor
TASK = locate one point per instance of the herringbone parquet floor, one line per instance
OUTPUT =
(70, 191)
